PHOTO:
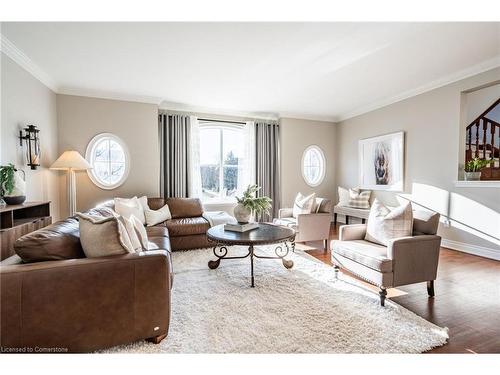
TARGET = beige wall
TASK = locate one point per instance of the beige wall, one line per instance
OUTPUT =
(296, 136)
(81, 118)
(431, 122)
(25, 100)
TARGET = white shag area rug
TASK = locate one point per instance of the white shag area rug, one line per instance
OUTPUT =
(301, 310)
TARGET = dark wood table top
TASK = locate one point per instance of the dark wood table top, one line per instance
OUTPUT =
(264, 234)
(13, 207)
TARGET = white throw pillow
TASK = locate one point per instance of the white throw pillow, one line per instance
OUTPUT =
(141, 232)
(385, 224)
(343, 196)
(103, 236)
(303, 205)
(154, 217)
(359, 199)
(127, 207)
(131, 231)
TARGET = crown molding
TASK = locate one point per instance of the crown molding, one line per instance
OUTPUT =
(455, 77)
(26, 63)
(305, 116)
(180, 107)
(101, 94)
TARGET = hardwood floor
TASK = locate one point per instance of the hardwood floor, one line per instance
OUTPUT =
(467, 299)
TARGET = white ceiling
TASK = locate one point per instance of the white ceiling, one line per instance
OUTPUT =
(325, 71)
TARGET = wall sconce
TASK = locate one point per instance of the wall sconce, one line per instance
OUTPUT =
(32, 145)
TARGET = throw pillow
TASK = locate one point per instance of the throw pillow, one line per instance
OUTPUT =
(141, 232)
(303, 204)
(127, 207)
(344, 196)
(154, 217)
(57, 241)
(103, 236)
(359, 199)
(132, 232)
(385, 224)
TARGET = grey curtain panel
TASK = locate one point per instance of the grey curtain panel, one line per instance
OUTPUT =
(174, 144)
(267, 172)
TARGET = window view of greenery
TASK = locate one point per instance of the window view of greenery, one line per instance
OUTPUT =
(221, 151)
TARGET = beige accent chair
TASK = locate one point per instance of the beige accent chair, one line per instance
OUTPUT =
(405, 260)
(309, 227)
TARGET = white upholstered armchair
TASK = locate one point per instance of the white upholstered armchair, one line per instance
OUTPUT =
(405, 260)
(309, 227)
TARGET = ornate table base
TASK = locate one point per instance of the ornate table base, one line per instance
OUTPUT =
(220, 251)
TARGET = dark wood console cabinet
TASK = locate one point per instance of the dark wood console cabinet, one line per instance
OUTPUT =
(20, 219)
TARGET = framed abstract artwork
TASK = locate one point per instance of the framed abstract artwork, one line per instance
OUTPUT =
(381, 162)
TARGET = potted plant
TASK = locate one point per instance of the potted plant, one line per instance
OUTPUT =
(12, 185)
(249, 204)
(473, 168)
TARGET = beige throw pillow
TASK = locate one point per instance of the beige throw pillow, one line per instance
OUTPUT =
(154, 217)
(385, 224)
(303, 205)
(103, 236)
(359, 199)
(343, 196)
(127, 207)
(141, 232)
(132, 232)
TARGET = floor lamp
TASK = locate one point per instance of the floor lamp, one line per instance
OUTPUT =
(71, 161)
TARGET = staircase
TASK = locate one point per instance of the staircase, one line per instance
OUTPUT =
(483, 141)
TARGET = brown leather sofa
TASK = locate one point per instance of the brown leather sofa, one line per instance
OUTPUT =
(54, 299)
(188, 228)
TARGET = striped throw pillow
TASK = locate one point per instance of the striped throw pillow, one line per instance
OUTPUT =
(359, 199)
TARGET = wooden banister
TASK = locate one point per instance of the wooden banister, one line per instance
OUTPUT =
(480, 146)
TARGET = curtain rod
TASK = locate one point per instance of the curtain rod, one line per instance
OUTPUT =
(225, 121)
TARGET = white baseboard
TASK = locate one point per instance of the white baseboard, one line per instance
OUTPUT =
(482, 251)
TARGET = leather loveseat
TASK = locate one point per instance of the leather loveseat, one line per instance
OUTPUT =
(54, 299)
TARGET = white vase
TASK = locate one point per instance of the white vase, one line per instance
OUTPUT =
(242, 214)
(18, 194)
(472, 176)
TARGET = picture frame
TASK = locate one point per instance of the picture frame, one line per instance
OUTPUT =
(381, 162)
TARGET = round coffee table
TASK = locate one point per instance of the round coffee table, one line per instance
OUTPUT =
(265, 234)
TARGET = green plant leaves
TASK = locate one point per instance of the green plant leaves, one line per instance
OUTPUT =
(7, 178)
(476, 164)
(256, 205)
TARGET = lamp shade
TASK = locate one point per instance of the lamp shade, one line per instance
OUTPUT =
(71, 160)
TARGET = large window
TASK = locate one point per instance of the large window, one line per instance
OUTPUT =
(221, 154)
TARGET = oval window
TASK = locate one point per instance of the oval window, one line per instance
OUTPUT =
(108, 156)
(313, 165)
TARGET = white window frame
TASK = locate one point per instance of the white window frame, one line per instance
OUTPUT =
(322, 161)
(220, 126)
(89, 155)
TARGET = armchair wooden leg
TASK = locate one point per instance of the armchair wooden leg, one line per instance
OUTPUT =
(383, 294)
(325, 245)
(335, 219)
(336, 269)
(430, 288)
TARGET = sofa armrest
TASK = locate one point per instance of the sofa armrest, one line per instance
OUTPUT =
(313, 227)
(415, 259)
(85, 304)
(352, 232)
(285, 212)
